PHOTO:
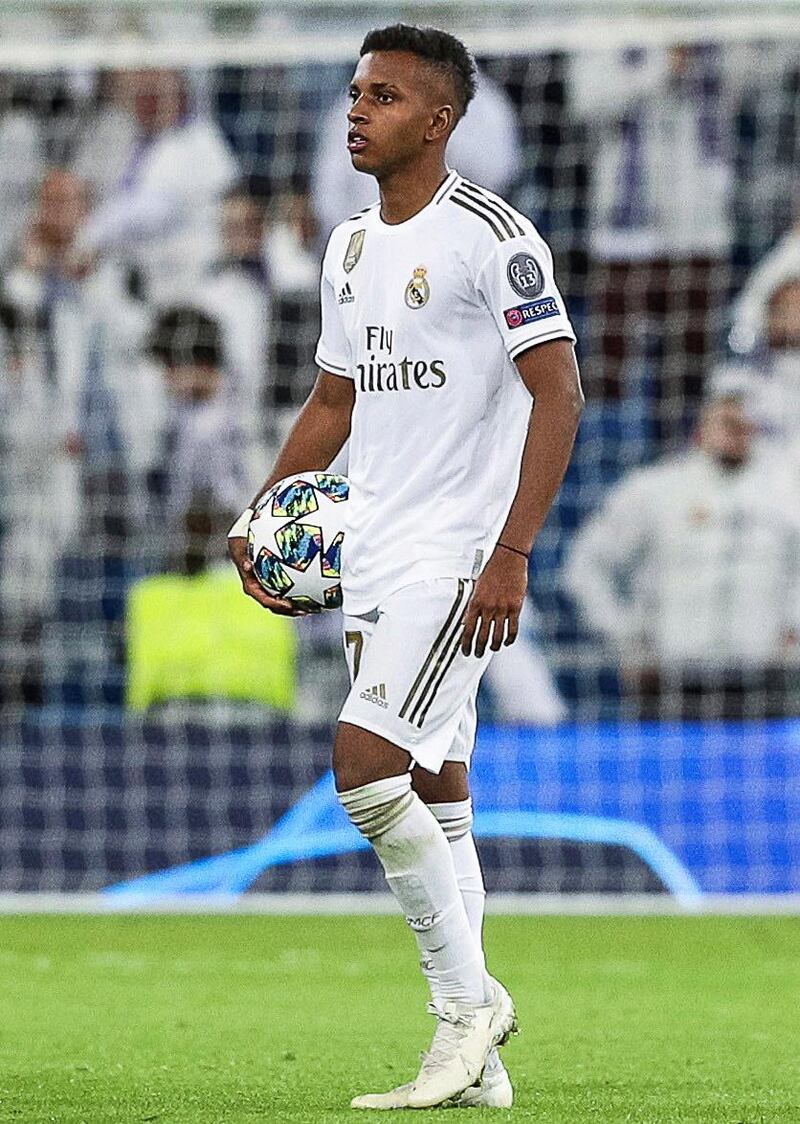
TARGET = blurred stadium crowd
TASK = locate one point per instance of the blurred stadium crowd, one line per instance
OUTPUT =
(160, 237)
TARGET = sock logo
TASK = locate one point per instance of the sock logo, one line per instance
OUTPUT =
(377, 695)
(420, 924)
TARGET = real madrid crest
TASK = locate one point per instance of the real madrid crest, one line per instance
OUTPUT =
(353, 251)
(418, 290)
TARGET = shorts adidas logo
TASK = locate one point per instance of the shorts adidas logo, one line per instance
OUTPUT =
(376, 695)
(346, 294)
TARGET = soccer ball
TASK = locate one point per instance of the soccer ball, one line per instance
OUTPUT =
(295, 539)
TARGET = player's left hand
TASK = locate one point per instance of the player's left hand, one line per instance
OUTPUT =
(496, 603)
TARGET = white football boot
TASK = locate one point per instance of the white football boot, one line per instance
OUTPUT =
(493, 1091)
(464, 1038)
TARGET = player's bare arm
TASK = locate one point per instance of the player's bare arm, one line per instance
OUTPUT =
(319, 433)
(550, 374)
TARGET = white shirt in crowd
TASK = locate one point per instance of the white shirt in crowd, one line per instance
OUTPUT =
(426, 317)
(651, 129)
(162, 215)
(206, 457)
(104, 150)
(749, 312)
(770, 376)
(239, 300)
(690, 565)
(97, 327)
(774, 409)
(40, 483)
(22, 163)
(486, 146)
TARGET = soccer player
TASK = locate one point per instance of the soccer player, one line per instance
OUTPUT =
(441, 327)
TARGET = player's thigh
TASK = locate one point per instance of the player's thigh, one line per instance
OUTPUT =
(414, 687)
(449, 786)
(361, 757)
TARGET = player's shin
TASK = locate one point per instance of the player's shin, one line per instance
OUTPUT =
(418, 863)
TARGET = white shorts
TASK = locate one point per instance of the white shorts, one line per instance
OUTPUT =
(410, 682)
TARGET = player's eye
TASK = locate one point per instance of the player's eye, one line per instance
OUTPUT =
(385, 99)
(352, 93)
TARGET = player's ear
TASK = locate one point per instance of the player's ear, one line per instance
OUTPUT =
(441, 124)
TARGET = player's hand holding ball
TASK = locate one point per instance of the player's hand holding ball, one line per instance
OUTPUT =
(237, 551)
(287, 548)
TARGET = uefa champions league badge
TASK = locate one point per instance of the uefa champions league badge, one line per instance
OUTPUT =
(418, 290)
(525, 277)
(353, 251)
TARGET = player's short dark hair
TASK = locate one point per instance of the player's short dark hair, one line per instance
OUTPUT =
(440, 49)
(183, 336)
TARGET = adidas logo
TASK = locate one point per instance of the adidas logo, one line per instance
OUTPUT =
(346, 294)
(376, 695)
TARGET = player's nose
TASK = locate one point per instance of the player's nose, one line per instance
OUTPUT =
(356, 114)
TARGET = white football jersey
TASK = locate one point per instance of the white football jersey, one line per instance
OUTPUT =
(426, 317)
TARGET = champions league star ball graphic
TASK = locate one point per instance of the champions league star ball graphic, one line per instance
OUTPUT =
(295, 539)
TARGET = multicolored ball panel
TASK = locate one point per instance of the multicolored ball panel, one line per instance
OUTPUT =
(298, 556)
(298, 498)
(332, 558)
(299, 544)
(336, 488)
(272, 573)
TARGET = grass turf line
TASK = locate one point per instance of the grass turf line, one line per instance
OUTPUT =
(651, 1020)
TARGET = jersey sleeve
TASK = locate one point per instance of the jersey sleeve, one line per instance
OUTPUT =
(516, 281)
(333, 353)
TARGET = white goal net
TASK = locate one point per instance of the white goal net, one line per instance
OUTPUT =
(168, 177)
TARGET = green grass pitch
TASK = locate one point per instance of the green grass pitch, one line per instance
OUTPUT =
(652, 1020)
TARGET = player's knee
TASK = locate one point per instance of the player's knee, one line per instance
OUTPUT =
(376, 807)
(454, 818)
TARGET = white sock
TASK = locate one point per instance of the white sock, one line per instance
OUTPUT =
(418, 863)
(456, 822)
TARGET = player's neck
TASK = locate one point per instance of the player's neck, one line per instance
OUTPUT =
(404, 193)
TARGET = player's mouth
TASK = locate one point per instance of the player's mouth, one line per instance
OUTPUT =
(356, 142)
